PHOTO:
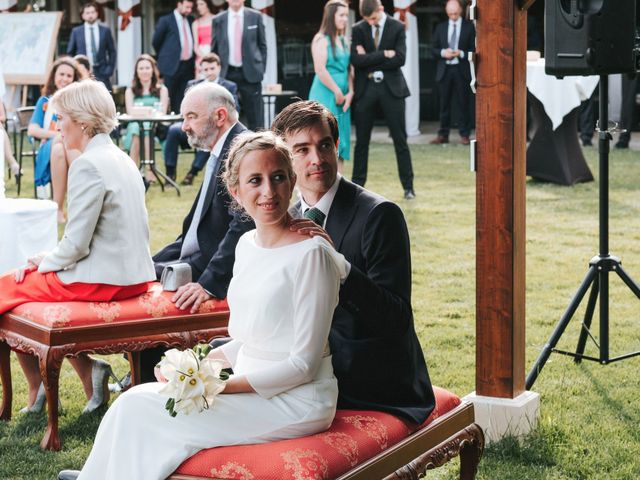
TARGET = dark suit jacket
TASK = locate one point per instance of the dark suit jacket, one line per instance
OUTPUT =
(228, 84)
(218, 232)
(377, 358)
(106, 61)
(466, 43)
(393, 38)
(166, 43)
(254, 44)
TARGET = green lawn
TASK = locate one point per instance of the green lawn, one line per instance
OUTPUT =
(589, 413)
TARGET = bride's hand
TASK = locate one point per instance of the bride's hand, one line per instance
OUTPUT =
(307, 227)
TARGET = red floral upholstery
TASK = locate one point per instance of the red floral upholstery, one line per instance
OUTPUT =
(354, 437)
(155, 304)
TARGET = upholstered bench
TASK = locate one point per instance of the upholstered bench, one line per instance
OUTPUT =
(52, 331)
(362, 445)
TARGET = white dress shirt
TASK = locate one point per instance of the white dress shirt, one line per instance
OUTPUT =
(179, 20)
(458, 24)
(87, 40)
(231, 34)
(381, 21)
(324, 205)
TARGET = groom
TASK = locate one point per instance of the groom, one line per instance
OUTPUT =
(377, 358)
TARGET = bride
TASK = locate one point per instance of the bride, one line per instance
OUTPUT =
(282, 296)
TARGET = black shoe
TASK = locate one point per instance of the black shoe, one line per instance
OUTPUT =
(622, 144)
(586, 142)
(68, 474)
(171, 173)
(409, 194)
(188, 179)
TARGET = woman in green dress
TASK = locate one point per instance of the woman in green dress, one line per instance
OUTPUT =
(333, 82)
(145, 91)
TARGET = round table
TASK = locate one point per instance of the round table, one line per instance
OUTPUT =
(147, 128)
(554, 153)
(28, 227)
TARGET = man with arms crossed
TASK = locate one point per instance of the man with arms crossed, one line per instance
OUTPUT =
(377, 358)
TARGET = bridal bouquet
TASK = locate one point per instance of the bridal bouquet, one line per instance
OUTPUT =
(193, 379)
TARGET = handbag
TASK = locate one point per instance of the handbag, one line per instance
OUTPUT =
(174, 276)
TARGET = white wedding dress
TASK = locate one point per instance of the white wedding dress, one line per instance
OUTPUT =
(281, 302)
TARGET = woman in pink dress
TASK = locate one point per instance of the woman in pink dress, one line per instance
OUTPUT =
(202, 31)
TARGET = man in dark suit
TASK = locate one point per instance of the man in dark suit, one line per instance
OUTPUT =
(173, 43)
(454, 39)
(376, 355)
(239, 39)
(177, 137)
(212, 228)
(94, 41)
(378, 51)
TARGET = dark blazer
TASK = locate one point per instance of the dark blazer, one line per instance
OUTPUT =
(393, 38)
(166, 43)
(228, 84)
(219, 229)
(466, 43)
(377, 358)
(106, 62)
(254, 44)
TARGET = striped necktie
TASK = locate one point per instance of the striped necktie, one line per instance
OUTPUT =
(315, 215)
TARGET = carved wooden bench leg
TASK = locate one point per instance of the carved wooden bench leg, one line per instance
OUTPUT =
(470, 452)
(134, 367)
(50, 362)
(5, 378)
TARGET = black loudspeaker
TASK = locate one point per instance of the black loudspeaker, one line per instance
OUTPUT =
(589, 37)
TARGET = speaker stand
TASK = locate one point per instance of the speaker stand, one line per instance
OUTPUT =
(597, 276)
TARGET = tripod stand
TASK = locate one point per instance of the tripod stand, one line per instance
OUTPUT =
(597, 276)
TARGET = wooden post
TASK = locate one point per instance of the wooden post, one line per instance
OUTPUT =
(500, 198)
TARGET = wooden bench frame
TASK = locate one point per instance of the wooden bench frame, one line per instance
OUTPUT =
(448, 436)
(52, 344)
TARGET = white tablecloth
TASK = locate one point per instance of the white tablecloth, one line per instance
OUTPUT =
(558, 96)
(27, 227)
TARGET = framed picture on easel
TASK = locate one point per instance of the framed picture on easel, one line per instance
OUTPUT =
(28, 43)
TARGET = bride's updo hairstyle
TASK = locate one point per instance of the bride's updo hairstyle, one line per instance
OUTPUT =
(248, 142)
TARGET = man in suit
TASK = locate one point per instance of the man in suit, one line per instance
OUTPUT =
(94, 41)
(177, 137)
(173, 43)
(378, 51)
(376, 355)
(212, 228)
(454, 39)
(239, 39)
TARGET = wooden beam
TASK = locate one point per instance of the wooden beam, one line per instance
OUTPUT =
(500, 198)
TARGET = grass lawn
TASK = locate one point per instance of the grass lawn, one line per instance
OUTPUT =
(589, 413)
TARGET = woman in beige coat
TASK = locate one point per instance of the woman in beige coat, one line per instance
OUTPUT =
(104, 253)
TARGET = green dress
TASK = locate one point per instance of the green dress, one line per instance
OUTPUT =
(133, 128)
(338, 68)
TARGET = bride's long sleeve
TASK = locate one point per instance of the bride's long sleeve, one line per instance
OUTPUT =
(315, 296)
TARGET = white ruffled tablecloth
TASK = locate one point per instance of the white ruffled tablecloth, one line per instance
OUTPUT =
(27, 227)
(558, 96)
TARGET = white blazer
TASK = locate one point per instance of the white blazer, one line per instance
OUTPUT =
(106, 239)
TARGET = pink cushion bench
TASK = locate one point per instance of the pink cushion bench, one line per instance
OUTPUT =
(359, 445)
(52, 331)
